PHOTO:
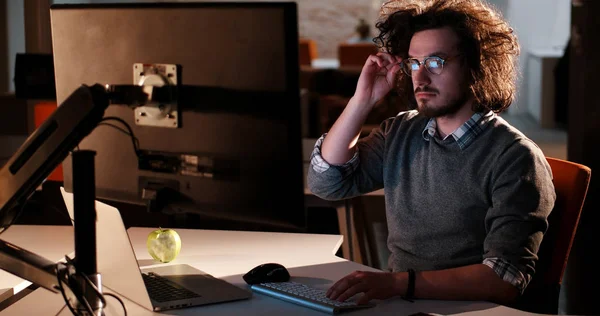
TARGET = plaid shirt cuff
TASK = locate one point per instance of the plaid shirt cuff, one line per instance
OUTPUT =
(319, 164)
(508, 272)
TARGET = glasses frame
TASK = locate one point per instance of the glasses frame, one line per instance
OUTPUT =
(406, 69)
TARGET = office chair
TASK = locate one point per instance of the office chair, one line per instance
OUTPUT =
(571, 181)
(307, 51)
(355, 54)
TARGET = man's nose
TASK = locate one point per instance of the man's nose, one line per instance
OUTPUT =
(421, 76)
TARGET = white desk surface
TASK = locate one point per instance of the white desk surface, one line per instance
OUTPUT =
(228, 255)
(50, 242)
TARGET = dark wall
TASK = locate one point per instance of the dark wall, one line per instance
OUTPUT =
(582, 277)
(4, 71)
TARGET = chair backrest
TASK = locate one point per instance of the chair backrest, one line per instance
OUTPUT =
(307, 51)
(355, 54)
(571, 181)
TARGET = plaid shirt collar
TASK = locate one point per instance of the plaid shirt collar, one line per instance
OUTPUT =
(466, 133)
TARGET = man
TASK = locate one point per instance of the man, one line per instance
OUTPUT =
(467, 195)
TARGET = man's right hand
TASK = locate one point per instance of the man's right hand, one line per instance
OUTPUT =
(377, 78)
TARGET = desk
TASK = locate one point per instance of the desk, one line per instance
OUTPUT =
(47, 241)
(228, 255)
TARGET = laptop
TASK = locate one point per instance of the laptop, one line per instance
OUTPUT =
(185, 285)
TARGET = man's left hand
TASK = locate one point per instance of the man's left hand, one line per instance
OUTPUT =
(374, 285)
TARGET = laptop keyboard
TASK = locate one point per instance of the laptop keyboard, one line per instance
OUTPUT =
(163, 290)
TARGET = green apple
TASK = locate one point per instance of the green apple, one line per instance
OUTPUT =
(164, 244)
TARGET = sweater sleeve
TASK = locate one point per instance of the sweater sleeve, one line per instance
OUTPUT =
(522, 198)
(363, 173)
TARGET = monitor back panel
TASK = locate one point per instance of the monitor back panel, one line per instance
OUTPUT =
(252, 136)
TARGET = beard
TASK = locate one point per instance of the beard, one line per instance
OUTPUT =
(450, 107)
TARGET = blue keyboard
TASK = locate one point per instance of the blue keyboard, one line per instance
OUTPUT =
(306, 296)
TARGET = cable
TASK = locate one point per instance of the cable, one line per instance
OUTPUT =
(134, 140)
(128, 131)
(78, 293)
(124, 131)
(60, 276)
(65, 273)
(120, 301)
(60, 310)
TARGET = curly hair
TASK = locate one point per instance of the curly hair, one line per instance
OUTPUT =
(487, 42)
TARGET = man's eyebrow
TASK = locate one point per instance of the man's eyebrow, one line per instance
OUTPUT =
(437, 53)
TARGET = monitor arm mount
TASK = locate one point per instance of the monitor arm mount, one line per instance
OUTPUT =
(43, 151)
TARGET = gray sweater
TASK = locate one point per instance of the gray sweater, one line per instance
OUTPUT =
(446, 206)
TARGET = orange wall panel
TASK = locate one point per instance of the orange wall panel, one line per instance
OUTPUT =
(41, 111)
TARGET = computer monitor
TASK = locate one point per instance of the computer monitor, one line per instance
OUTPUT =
(240, 128)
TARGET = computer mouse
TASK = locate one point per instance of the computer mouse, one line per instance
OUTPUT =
(267, 272)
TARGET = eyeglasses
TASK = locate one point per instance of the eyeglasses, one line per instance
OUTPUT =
(433, 64)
